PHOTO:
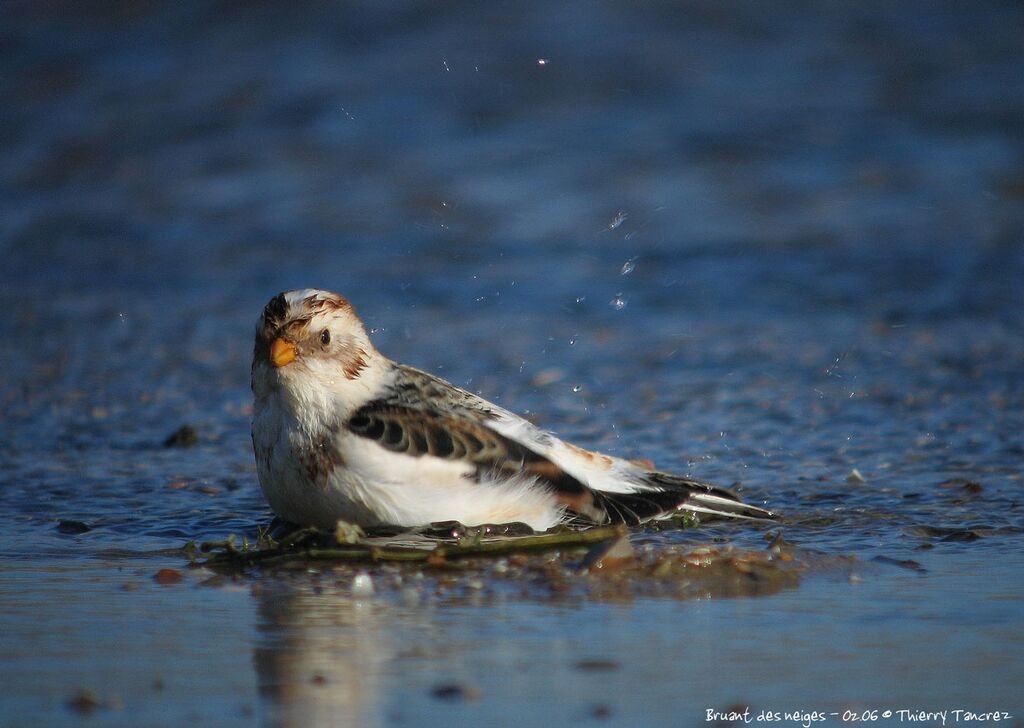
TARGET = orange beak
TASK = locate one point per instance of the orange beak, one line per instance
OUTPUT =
(282, 352)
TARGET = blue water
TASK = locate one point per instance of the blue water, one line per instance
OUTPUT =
(767, 246)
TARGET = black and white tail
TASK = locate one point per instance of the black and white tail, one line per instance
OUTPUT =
(672, 493)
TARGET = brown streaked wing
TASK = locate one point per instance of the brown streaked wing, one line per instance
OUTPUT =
(420, 432)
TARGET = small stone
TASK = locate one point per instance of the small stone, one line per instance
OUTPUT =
(167, 576)
(362, 585)
(455, 693)
(73, 527)
(84, 702)
(908, 564)
(598, 665)
(184, 436)
(609, 555)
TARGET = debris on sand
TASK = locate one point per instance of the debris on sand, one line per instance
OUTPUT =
(604, 563)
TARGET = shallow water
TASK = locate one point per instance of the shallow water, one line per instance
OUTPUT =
(763, 248)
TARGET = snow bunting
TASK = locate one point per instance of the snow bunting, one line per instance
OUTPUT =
(340, 432)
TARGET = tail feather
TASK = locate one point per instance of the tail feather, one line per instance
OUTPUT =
(671, 493)
(731, 508)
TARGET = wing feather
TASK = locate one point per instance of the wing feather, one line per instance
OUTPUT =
(421, 432)
(424, 416)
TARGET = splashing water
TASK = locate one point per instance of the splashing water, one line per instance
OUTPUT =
(620, 217)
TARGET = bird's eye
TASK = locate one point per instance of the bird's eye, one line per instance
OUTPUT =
(325, 337)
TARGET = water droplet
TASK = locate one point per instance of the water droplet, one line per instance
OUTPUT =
(629, 266)
(619, 302)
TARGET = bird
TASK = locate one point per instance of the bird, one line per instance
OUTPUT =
(342, 433)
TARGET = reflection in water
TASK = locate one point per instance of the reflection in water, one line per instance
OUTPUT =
(326, 657)
(319, 653)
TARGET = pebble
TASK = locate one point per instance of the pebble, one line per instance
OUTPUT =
(362, 585)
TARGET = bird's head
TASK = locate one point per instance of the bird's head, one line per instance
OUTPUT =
(309, 339)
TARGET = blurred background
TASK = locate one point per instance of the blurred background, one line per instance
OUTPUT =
(485, 180)
(767, 244)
